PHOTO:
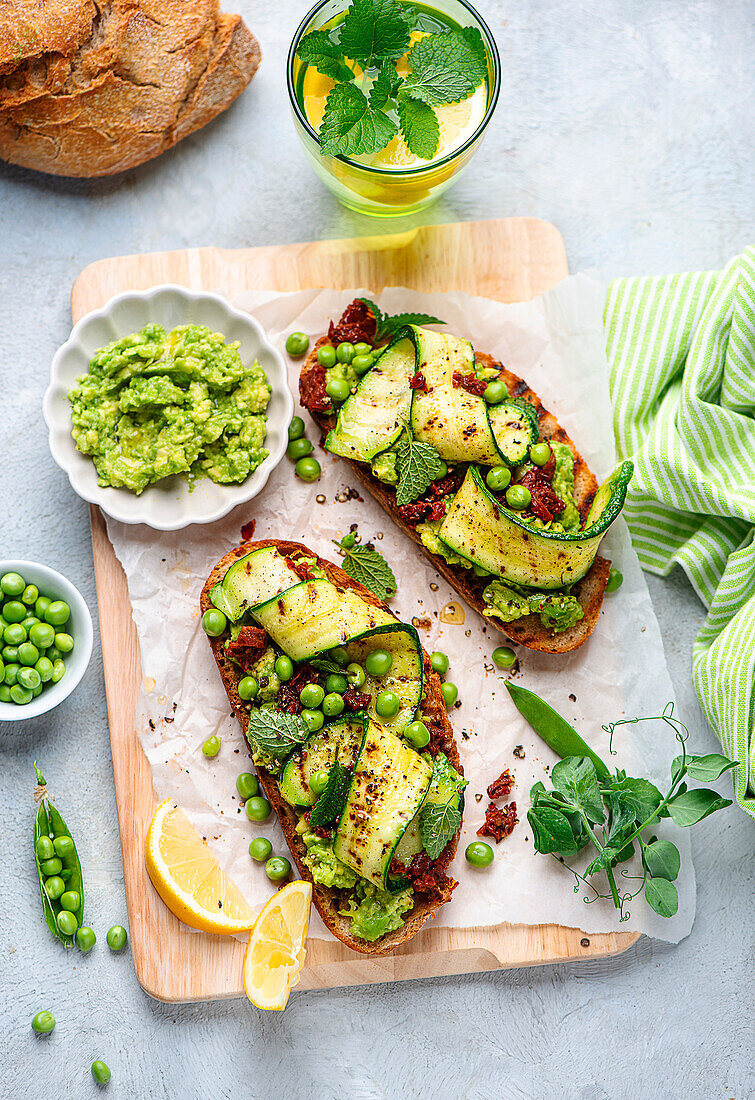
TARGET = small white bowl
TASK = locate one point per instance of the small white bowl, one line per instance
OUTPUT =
(54, 585)
(169, 505)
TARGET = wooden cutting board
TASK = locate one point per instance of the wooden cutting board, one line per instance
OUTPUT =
(510, 260)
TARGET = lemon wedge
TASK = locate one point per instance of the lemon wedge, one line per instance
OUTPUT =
(189, 879)
(275, 953)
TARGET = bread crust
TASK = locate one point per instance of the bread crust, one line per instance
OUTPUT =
(529, 630)
(326, 899)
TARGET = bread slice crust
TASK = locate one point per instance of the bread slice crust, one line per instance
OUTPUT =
(328, 899)
(528, 631)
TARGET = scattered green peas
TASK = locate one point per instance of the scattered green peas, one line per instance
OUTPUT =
(498, 478)
(54, 887)
(345, 352)
(615, 580)
(332, 704)
(67, 922)
(11, 673)
(247, 785)
(85, 939)
(308, 469)
(417, 735)
(326, 355)
(14, 611)
(277, 869)
(360, 364)
(10, 654)
(378, 662)
(311, 696)
(362, 348)
(214, 622)
(479, 854)
(442, 472)
(518, 497)
(355, 674)
(14, 634)
(284, 667)
(28, 655)
(117, 937)
(54, 654)
(63, 642)
(51, 866)
(296, 428)
(450, 693)
(339, 655)
(540, 454)
(41, 606)
(45, 849)
(439, 662)
(260, 849)
(29, 678)
(299, 448)
(28, 623)
(248, 688)
(58, 671)
(387, 704)
(338, 389)
(336, 682)
(313, 719)
(30, 595)
(495, 392)
(504, 657)
(100, 1072)
(318, 781)
(257, 808)
(58, 613)
(42, 635)
(44, 1021)
(12, 584)
(297, 344)
(211, 746)
(348, 540)
(70, 900)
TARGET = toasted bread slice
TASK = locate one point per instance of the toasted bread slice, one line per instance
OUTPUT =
(529, 630)
(434, 715)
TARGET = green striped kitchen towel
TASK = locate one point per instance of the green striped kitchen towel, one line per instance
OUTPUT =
(681, 353)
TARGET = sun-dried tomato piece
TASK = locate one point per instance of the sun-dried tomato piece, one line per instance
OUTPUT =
(287, 700)
(302, 569)
(357, 325)
(247, 530)
(356, 700)
(245, 647)
(468, 382)
(413, 513)
(545, 504)
(312, 389)
(417, 382)
(499, 821)
(502, 786)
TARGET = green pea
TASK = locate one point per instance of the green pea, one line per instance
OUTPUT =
(439, 662)
(45, 848)
(21, 695)
(14, 634)
(58, 671)
(297, 344)
(348, 541)
(518, 497)
(41, 606)
(248, 688)
(43, 1022)
(30, 595)
(615, 580)
(28, 655)
(296, 428)
(277, 869)
(308, 469)
(52, 866)
(338, 389)
(54, 654)
(326, 355)
(495, 392)
(260, 849)
(378, 662)
(311, 695)
(345, 352)
(66, 922)
(117, 937)
(442, 472)
(504, 657)
(362, 348)
(85, 939)
(318, 781)
(498, 478)
(360, 364)
(332, 704)
(540, 454)
(211, 746)
(257, 808)
(479, 854)
(417, 735)
(54, 887)
(70, 900)
(355, 674)
(387, 704)
(339, 655)
(450, 693)
(336, 682)
(314, 719)
(58, 613)
(12, 584)
(63, 642)
(247, 785)
(42, 635)
(10, 654)
(299, 448)
(29, 678)
(28, 623)
(214, 622)
(5, 695)
(11, 673)
(63, 846)
(37, 690)
(100, 1072)
(284, 667)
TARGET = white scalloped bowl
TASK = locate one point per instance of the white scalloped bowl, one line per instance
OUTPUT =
(169, 504)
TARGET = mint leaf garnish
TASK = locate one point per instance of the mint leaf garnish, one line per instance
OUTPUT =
(367, 566)
(318, 50)
(275, 733)
(350, 126)
(437, 824)
(374, 30)
(446, 68)
(419, 127)
(383, 88)
(417, 465)
(330, 804)
(390, 323)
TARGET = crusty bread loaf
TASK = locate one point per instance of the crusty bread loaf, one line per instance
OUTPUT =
(147, 74)
(434, 715)
(529, 630)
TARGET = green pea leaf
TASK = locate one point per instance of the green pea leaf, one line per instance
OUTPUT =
(420, 128)
(662, 859)
(662, 896)
(641, 794)
(350, 126)
(576, 778)
(551, 831)
(705, 769)
(374, 30)
(692, 806)
(317, 49)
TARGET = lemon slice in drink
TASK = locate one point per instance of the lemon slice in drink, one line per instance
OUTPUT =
(277, 945)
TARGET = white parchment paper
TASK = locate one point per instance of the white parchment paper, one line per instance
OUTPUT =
(556, 343)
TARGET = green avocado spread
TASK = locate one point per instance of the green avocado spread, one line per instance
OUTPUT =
(557, 610)
(155, 404)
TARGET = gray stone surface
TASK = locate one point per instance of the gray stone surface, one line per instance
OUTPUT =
(627, 124)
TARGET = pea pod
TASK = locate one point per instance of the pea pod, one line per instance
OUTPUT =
(554, 730)
(49, 823)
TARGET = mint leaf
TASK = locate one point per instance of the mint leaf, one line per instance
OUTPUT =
(367, 566)
(388, 324)
(437, 824)
(446, 68)
(419, 127)
(350, 126)
(275, 733)
(383, 87)
(330, 804)
(417, 465)
(317, 49)
(374, 29)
